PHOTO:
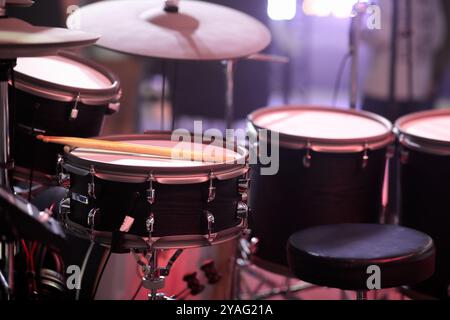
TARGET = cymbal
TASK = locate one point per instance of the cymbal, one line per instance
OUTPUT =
(21, 39)
(19, 3)
(198, 31)
(21, 219)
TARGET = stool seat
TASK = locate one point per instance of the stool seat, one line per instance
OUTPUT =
(338, 256)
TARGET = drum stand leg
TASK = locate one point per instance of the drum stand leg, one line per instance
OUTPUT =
(154, 276)
(244, 267)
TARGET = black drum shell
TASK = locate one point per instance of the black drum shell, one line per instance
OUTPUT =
(50, 117)
(178, 210)
(334, 189)
(425, 194)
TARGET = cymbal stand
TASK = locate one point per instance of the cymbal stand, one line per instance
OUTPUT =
(6, 163)
(154, 276)
(230, 68)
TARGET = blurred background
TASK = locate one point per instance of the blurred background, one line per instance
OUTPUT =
(313, 34)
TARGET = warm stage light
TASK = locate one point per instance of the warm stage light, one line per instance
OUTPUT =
(282, 9)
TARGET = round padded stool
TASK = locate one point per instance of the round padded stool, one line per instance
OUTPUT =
(339, 256)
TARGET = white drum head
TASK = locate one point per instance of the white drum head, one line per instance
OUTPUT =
(435, 127)
(63, 71)
(326, 129)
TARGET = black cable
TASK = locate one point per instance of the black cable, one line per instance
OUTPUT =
(337, 83)
(101, 274)
(137, 292)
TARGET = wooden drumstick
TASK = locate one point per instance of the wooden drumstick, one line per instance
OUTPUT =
(125, 147)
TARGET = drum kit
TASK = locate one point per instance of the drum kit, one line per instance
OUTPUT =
(127, 194)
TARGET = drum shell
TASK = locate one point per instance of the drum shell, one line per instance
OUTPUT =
(334, 189)
(178, 209)
(51, 118)
(425, 194)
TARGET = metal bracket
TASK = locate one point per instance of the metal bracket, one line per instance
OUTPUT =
(151, 194)
(91, 221)
(74, 111)
(242, 213)
(149, 224)
(365, 158)
(210, 219)
(307, 157)
(211, 189)
(91, 185)
(404, 156)
(63, 178)
(244, 186)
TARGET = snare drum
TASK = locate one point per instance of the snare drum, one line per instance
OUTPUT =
(62, 95)
(331, 170)
(425, 187)
(172, 203)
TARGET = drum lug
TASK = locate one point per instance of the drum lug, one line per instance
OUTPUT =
(74, 111)
(91, 185)
(91, 220)
(149, 223)
(365, 157)
(210, 219)
(243, 186)
(242, 213)
(211, 189)
(151, 194)
(64, 210)
(63, 178)
(390, 153)
(307, 157)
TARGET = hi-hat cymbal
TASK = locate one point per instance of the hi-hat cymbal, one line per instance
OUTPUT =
(20, 219)
(198, 31)
(21, 39)
(19, 3)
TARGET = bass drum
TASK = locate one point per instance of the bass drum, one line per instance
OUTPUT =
(331, 169)
(63, 95)
(425, 188)
(122, 277)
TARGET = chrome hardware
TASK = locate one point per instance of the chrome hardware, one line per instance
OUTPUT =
(151, 195)
(242, 213)
(80, 198)
(307, 157)
(91, 185)
(74, 111)
(64, 210)
(210, 218)
(211, 189)
(149, 223)
(63, 178)
(365, 158)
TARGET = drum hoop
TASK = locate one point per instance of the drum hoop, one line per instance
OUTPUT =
(167, 242)
(329, 145)
(163, 175)
(415, 142)
(53, 91)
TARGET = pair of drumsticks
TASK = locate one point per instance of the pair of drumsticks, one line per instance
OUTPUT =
(132, 148)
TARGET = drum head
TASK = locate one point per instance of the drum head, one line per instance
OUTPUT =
(66, 76)
(427, 131)
(326, 127)
(129, 167)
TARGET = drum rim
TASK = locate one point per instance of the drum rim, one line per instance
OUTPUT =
(58, 92)
(163, 175)
(416, 142)
(326, 144)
